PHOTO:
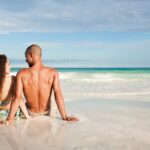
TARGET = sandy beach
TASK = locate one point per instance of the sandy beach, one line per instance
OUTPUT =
(104, 125)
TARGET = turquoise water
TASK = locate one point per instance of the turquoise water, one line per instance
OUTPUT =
(101, 70)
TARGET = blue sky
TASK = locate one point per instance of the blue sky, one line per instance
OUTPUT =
(95, 33)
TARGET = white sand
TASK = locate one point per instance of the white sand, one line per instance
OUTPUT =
(104, 125)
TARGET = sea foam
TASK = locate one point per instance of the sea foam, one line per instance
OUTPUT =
(83, 84)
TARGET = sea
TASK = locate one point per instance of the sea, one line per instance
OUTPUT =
(83, 83)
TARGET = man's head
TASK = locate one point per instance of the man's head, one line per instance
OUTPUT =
(33, 54)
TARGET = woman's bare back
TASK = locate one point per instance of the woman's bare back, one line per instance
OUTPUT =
(8, 90)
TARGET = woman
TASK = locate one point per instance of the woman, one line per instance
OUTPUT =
(7, 87)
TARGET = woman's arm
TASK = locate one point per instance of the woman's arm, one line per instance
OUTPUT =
(22, 104)
(17, 101)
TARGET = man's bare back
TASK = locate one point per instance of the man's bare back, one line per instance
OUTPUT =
(37, 83)
(37, 87)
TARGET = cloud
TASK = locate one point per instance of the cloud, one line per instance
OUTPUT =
(106, 54)
(82, 45)
(74, 15)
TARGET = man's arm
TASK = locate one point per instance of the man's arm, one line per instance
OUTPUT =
(59, 98)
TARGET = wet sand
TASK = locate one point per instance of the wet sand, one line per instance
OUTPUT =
(105, 124)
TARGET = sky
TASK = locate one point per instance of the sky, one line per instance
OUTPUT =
(90, 33)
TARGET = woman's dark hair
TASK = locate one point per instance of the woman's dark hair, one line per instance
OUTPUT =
(3, 61)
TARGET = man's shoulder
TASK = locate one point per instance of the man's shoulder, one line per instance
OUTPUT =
(51, 70)
(22, 71)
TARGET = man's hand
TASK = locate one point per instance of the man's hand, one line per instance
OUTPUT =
(71, 119)
(5, 122)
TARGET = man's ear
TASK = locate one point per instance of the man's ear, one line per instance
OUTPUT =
(31, 55)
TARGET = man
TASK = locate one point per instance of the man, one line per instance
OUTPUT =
(37, 82)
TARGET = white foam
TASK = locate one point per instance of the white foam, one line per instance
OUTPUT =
(101, 84)
(77, 84)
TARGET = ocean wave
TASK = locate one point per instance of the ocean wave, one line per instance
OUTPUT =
(104, 84)
(116, 94)
(97, 77)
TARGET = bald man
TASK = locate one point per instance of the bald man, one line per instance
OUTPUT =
(37, 83)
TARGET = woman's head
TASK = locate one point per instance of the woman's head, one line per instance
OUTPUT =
(4, 69)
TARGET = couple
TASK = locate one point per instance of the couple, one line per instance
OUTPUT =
(36, 82)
